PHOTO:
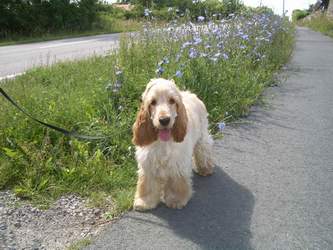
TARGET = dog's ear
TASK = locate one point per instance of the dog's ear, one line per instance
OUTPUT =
(180, 126)
(144, 132)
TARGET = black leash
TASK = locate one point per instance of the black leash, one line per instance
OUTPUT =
(61, 130)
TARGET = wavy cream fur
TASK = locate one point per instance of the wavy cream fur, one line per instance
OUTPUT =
(165, 168)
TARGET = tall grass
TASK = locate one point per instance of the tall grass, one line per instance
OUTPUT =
(227, 64)
(319, 23)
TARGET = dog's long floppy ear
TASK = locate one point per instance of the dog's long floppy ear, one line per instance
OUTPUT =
(180, 126)
(144, 132)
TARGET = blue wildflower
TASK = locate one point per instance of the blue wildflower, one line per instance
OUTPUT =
(179, 74)
(201, 18)
(165, 60)
(220, 45)
(225, 56)
(192, 53)
(221, 126)
(245, 37)
(197, 40)
(159, 71)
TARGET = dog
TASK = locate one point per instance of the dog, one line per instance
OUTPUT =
(171, 138)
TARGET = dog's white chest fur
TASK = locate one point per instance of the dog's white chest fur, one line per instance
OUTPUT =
(164, 159)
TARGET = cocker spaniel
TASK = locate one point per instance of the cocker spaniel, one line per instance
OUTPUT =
(171, 137)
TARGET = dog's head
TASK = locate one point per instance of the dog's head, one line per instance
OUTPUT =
(162, 115)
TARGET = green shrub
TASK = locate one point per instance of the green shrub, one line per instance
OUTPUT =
(38, 17)
(299, 14)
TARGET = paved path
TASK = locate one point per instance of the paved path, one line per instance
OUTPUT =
(16, 59)
(273, 188)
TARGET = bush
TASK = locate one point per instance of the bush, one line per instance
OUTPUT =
(299, 14)
(37, 17)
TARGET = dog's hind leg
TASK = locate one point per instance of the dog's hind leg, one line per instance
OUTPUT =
(202, 155)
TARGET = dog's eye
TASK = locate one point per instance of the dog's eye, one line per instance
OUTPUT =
(153, 102)
(172, 101)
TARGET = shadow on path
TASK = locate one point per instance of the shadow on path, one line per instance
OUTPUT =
(217, 217)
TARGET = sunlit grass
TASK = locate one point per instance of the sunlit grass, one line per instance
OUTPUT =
(319, 23)
(41, 164)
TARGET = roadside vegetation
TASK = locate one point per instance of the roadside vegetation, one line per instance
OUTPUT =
(227, 62)
(320, 23)
(30, 21)
(317, 17)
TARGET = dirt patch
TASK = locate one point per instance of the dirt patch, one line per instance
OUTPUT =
(67, 221)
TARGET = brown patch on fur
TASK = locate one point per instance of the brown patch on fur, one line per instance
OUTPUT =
(144, 132)
(177, 192)
(180, 127)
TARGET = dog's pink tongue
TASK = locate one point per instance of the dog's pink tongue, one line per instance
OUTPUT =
(164, 134)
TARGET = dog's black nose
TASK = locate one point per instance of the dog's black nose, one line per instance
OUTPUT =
(164, 121)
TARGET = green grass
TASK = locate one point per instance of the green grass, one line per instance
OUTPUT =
(80, 244)
(319, 23)
(107, 25)
(40, 164)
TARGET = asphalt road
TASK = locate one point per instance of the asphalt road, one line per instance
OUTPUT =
(273, 187)
(16, 59)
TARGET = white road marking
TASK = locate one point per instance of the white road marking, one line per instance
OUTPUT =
(10, 76)
(64, 44)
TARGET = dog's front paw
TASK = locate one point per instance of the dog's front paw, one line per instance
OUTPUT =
(143, 205)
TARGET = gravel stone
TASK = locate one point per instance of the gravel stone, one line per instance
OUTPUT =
(67, 221)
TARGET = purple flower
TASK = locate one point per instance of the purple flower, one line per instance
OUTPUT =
(165, 60)
(197, 40)
(221, 126)
(192, 53)
(201, 18)
(220, 45)
(179, 74)
(225, 56)
(159, 71)
(245, 37)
